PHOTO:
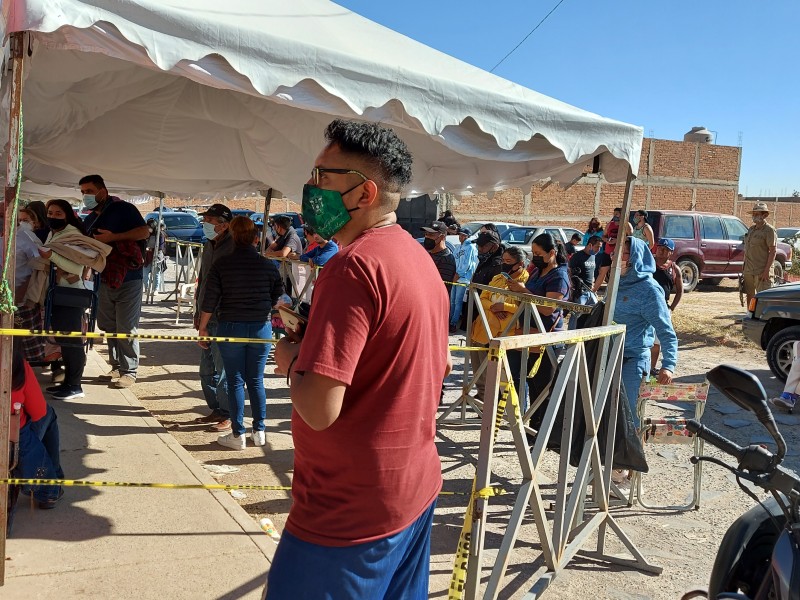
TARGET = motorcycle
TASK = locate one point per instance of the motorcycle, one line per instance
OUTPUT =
(759, 557)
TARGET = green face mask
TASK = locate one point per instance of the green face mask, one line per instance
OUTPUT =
(324, 210)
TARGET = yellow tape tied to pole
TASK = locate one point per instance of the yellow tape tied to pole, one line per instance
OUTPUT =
(459, 577)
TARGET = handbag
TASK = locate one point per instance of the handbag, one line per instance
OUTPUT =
(72, 297)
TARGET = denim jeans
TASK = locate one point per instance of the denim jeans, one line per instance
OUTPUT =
(456, 303)
(396, 567)
(634, 368)
(587, 299)
(244, 366)
(212, 376)
(118, 312)
(35, 460)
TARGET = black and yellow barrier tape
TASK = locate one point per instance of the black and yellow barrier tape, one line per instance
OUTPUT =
(164, 337)
(459, 577)
(491, 491)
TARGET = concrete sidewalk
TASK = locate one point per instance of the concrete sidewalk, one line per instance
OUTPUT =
(131, 543)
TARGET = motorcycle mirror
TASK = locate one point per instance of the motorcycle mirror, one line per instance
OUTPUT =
(740, 386)
(746, 391)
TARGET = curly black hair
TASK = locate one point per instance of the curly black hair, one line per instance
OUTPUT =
(378, 145)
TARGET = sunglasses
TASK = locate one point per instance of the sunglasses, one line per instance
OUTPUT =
(317, 172)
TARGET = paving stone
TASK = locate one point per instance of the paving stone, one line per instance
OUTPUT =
(726, 409)
(736, 423)
(669, 454)
(762, 438)
(785, 419)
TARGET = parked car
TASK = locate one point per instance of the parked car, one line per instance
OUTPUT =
(773, 322)
(180, 226)
(258, 218)
(473, 226)
(522, 236)
(790, 235)
(709, 246)
(242, 212)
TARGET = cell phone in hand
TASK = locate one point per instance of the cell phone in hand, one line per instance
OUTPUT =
(506, 276)
(293, 322)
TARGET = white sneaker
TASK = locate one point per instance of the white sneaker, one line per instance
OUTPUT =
(231, 441)
(259, 438)
(112, 375)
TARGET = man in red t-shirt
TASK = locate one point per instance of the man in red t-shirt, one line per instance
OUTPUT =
(364, 386)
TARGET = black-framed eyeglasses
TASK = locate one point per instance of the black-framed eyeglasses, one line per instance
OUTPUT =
(316, 173)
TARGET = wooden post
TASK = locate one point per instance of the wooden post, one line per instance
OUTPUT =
(267, 204)
(17, 45)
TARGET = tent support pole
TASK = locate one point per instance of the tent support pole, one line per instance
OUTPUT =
(267, 204)
(611, 292)
(17, 46)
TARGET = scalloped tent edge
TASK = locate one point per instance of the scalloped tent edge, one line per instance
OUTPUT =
(178, 92)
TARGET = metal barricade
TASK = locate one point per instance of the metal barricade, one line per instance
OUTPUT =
(531, 322)
(573, 393)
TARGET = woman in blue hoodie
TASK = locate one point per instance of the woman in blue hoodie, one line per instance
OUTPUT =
(641, 308)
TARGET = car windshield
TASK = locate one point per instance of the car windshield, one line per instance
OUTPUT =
(787, 232)
(180, 222)
(473, 226)
(516, 235)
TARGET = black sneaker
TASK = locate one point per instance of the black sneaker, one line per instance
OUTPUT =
(68, 393)
(53, 389)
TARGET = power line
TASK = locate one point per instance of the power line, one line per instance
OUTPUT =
(530, 33)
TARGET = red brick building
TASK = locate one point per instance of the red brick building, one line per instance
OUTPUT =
(672, 175)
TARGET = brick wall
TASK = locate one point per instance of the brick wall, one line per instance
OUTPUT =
(672, 175)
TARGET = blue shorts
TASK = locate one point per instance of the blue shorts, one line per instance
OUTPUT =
(393, 568)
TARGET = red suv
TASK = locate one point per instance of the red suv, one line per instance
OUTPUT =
(708, 246)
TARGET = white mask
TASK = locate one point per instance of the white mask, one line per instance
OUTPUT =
(25, 226)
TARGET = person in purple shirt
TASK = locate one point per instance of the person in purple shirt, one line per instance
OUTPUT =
(322, 253)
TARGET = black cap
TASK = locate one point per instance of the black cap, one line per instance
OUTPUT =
(464, 231)
(218, 210)
(488, 237)
(435, 227)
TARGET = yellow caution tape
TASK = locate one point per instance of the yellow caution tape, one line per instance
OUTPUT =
(456, 283)
(167, 337)
(177, 242)
(459, 577)
(486, 492)
(95, 335)
(134, 484)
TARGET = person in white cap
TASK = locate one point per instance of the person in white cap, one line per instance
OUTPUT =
(760, 244)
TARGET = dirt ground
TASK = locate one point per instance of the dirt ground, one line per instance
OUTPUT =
(683, 543)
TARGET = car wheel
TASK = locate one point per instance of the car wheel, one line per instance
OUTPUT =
(690, 273)
(780, 351)
(779, 274)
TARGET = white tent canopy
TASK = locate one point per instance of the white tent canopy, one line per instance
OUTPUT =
(204, 97)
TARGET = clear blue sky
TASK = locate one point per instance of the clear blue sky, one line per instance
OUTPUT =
(732, 66)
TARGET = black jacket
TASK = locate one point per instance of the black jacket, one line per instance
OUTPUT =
(487, 269)
(242, 286)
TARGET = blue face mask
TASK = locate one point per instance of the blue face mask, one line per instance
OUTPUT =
(89, 201)
(208, 231)
(593, 252)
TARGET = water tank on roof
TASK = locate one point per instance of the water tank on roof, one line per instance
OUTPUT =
(698, 134)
